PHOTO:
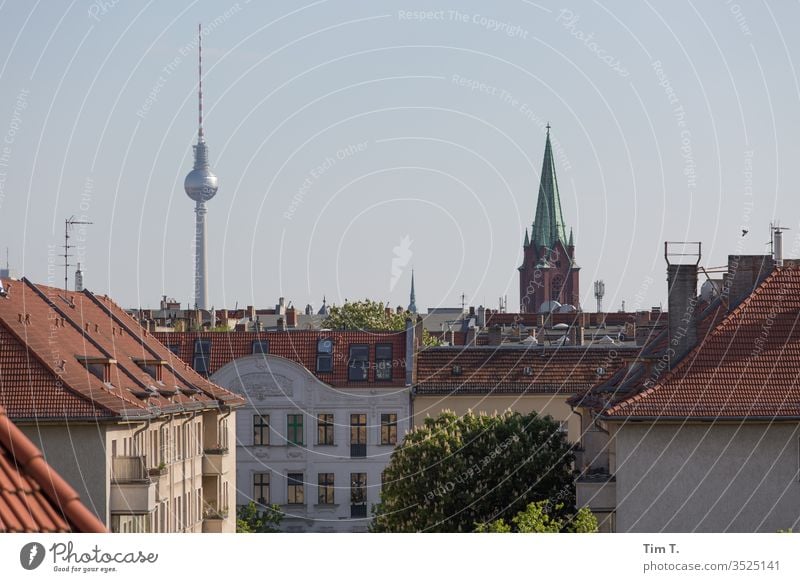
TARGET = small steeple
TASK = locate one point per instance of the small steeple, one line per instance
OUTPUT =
(412, 304)
(527, 240)
(571, 242)
(548, 225)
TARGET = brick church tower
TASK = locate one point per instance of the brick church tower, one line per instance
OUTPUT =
(548, 271)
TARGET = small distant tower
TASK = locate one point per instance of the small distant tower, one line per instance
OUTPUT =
(201, 185)
(412, 300)
(79, 279)
(599, 292)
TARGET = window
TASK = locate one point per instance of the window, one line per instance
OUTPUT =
(388, 429)
(456, 370)
(383, 362)
(358, 495)
(175, 349)
(202, 354)
(261, 488)
(358, 435)
(324, 429)
(294, 429)
(358, 366)
(325, 355)
(294, 492)
(260, 347)
(260, 429)
(326, 489)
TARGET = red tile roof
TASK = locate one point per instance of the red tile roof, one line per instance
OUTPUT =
(516, 369)
(748, 366)
(33, 497)
(297, 345)
(44, 333)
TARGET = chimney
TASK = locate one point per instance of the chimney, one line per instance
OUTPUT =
(681, 298)
(251, 312)
(481, 316)
(291, 317)
(495, 335)
(744, 274)
(777, 245)
(281, 324)
(387, 312)
(163, 302)
(280, 308)
(223, 315)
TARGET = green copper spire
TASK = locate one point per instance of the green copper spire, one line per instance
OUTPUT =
(571, 240)
(548, 226)
(527, 240)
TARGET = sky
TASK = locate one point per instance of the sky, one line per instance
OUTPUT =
(354, 141)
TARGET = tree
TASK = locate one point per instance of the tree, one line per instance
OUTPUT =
(430, 341)
(251, 519)
(366, 314)
(455, 472)
(540, 517)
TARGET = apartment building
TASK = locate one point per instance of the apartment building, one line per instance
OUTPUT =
(145, 441)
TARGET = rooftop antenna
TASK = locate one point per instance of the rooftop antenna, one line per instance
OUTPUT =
(463, 301)
(68, 224)
(599, 292)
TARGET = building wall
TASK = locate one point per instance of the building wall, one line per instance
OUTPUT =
(275, 388)
(707, 478)
(78, 453)
(554, 405)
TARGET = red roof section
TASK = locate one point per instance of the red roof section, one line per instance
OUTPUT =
(300, 346)
(33, 497)
(44, 334)
(516, 369)
(748, 366)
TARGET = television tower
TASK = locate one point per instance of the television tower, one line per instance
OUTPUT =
(201, 185)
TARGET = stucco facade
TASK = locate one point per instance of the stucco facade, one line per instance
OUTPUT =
(287, 456)
(702, 477)
(172, 474)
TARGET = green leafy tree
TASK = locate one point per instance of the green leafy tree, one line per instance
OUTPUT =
(429, 340)
(251, 518)
(544, 517)
(455, 472)
(366, 314)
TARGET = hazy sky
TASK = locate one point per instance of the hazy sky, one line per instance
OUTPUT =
(354, 140)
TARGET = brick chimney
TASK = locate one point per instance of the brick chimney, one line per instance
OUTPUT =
(291, 317)
(495, 335)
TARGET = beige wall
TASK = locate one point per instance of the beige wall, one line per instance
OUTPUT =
(555, 406)
(707, 478)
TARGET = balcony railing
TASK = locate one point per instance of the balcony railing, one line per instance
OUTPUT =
(129, 469)
(358, 451)
(358, 510)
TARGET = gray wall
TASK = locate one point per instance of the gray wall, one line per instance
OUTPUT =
(691, 483)
(77, 452)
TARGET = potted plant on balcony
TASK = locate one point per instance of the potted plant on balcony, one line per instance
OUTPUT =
(158, 471)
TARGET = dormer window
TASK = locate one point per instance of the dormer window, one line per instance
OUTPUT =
(153, 367)
(100, 366)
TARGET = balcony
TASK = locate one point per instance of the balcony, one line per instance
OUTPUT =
(358, 510)
(132, 490)
(358, 451)
(216, 461)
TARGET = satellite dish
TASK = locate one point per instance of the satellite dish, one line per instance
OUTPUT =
(561, 326)
(567, 309)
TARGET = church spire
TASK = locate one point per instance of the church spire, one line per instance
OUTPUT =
(527, 240)
(548, 225)
(412, 302)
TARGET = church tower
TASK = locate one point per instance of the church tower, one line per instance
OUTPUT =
(548, 271)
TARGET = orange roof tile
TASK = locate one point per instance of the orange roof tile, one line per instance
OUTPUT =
(33, 497)
(748, 366)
